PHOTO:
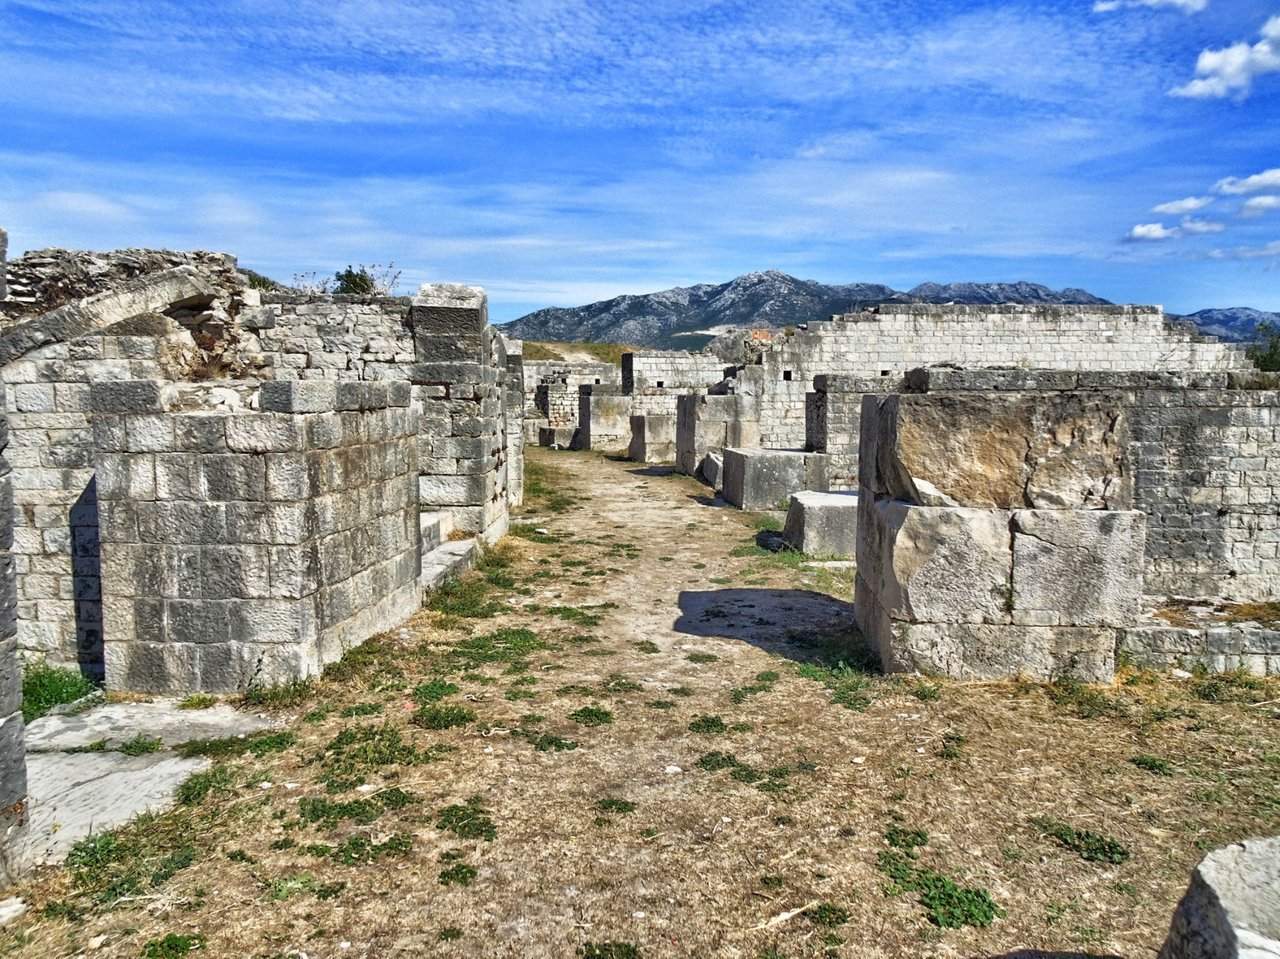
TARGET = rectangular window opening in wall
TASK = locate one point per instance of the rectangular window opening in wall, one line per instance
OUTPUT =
(660, 384)
(884, 372)
(786, 375)
(597, 381)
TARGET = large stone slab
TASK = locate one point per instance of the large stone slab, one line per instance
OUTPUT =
(757, 478)
(1002, 450)
(1231, 907)
(822, 524)
(936, 564)
(653, 438)
(161, 719)
(1077, 567)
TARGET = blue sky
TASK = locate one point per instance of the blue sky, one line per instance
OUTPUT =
(558, 152)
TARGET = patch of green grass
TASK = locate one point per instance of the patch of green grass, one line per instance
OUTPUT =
(768, 524)
(617, 683)
(716, 760)
(360, 811)
(1153, 764)
(707, 725)
(459, 874)
(951, 743)
(849, 686)
(97, 746)
(608, 950)
(172, 864)
(45, 686)
(545, 742)
(827, 914)
(907, 840)
(358, 751)
(361, 709)
(469, 821)
(284, 696)
(586, 615)
(1069, 693)
(173, 946)
(449, 934)
(443, 716)
(258, 744)
(239, 855)
(465, 596)
(289, 886)
(1091, 846)
(647, 646)
(1233, 687)
(199, 786)
(358, 849)
(661, 704)
(592, 716)
(433, 691)
(509, 647)
(530, 532)
(763, 684)
(947, 904)
(719, 580)
(702, 657)
(198, 701)
(330, 890)
(682, 691)
(926, 692)
(610, 804)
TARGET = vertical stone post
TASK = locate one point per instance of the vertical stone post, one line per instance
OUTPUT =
(13, 765)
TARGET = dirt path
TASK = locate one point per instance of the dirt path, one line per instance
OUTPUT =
(630, 734)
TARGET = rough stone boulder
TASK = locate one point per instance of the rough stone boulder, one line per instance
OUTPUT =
(1231, 907)
(1002, 451)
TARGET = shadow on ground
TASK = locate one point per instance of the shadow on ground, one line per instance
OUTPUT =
(1039, 954)
(652, 470)
(789, 622)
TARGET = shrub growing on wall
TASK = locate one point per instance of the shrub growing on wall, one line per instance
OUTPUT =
(1265, 350)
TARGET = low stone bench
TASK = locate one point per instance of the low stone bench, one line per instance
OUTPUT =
(756, 478)
(822, 524)
(1232, 905)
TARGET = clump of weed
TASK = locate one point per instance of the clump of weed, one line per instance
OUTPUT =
(443, 716)
(198, 701)
(173, 946)
(449, 934)
(257, 744)
(1091, 846)
(284, 696)
(141, 744)
(239, 855)
(509, 647)
(610, 804)
(827, 914)
(592, 716)
(948, 905)
(357, 751)
(199, 786)
(647, 646)
(1069, 693)
(617, 683)
(1153, 764)
(707, 725)
(926, 692)
(45, 686)
(459, 874)
(433, 691)
(683, 691)
(1232, 687)
(290, 886)
(545, 742)
(361, 811)
(468, 821)
(361, 709)
(849, 686)
(716, 760)
(361, 849)
(661, 704)
(608, 950)
(466, 596)
(702, 657)
(951, 743)
(763, 684)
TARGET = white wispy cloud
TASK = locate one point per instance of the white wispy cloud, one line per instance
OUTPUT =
(1186, 6)
(1232, 70)
(1258, 205)
(1264, 252)
(1190, 226)
(1258, 183)
(1186, 205)
(1151, 231)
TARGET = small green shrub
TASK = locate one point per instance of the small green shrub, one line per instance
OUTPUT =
(443, 716)
(707, 725)
(1153, 764)
(592, 716)
(615, 805)
(173, 946)
(1091, 846)
(469, 821)
(45, 686)
(198, 701)
(199, 786)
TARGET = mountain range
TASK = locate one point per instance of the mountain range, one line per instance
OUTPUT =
(687, 318)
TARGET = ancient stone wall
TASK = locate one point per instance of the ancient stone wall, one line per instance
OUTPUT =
(604, 419)
(13, 767)
(833, 422)
(251, 548)
(893, 338)
(551, 394)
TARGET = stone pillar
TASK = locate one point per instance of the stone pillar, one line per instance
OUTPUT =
(1231, 907)
(604, 418)
(13, 766)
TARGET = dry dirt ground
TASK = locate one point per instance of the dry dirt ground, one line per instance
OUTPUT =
(632, 734)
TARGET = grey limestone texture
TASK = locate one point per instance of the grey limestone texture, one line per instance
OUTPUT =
(1217, 647)
(252, 548)
(604, 419)
(653, 438)
(706, 422)
(957, 577)
(756, 478)
(14, 862)
(822, 524)
(559, 437)
(833, 421)
(1231, 907)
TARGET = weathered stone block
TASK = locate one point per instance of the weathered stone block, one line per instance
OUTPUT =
(822, 524)
(131, 396)
(765, 479)
(936, 564)
(653, 438)
(298, 396)
(1077, 567)
(1231, 907)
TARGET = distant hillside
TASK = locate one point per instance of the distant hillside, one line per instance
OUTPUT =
(1237, 324)
(690, 317)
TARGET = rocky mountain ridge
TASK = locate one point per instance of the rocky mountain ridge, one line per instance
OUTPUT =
(690, 317)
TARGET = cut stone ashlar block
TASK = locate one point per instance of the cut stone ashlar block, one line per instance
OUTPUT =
(822, 524)
(1077, 567)
(757, 478)
(653, 438)
(1232, 905)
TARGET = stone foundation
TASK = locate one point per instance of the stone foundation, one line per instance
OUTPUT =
(653, 439)
(761, 479)
(13, 766)
(822, 524)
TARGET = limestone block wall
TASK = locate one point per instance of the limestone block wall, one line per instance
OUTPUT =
(646, 370)
(706, 422)
(243, 549)
(439, 341)
(513, 411)
(13, 767)
(551, 392)
(604, 419)
(55, 551)
(995, 536)
(557, 405)
(1200, 453)
(833, 422)
(890, 339)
